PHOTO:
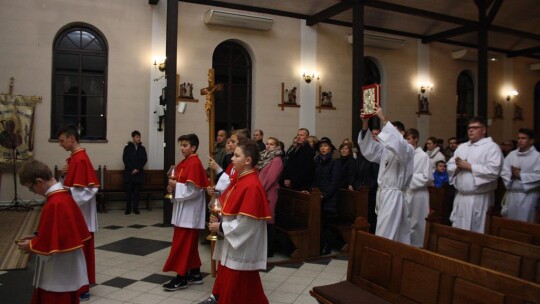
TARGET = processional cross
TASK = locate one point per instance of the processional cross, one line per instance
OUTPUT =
(210, 113)
(210, 117)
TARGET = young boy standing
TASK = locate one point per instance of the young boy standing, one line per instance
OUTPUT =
(188, 216)
(440, 176)
(58, 242)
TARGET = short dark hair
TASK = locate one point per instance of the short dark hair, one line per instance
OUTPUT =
(478, 119)
(33, 169)
(135, 133)
(433, 139)
(529, 132)
(192, 139)
(304, 129)
(399, 125)
(67, 131)
(452, 138)
(260, 131)
(250, 149)
(440, 161)
(412, 132)
(226, 132)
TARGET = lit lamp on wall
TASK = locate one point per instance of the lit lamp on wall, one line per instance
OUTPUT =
(425, 87)
(511, 95)
(160, 66)
(309, 77)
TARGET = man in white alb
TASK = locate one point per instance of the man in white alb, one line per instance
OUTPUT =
(521, 176)
(395, 157)
(417, 196)
(473, 171)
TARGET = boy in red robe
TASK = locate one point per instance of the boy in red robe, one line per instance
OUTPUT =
(243, 224)
(188, 216)
(58, 242)
(79, 176)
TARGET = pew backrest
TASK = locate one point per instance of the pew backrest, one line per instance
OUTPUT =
(514, 230)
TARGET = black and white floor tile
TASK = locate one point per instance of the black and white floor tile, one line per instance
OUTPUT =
(130, 253)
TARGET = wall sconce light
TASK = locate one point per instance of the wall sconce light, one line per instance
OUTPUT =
(160, 66)
(511, 94)
(425, 87)
(309, 77)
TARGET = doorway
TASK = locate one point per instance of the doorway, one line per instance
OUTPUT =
(465, 103)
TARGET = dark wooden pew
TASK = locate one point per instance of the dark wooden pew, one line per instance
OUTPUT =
(441, 201)
(513, 230)
(384, 271)
(507, 256)
(352, 204)
(298, 215)
(113, 183)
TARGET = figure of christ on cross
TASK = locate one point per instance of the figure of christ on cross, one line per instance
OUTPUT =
(210, 117)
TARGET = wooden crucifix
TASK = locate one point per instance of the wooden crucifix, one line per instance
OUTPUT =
(210, 113)
(210, 117)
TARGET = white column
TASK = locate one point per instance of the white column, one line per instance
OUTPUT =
(509, 107)
(308, 62)
(154, 141)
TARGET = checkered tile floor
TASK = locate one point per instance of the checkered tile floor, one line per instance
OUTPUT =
(130, 253)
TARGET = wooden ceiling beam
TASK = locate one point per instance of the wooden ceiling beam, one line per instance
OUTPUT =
(524, 52)
(328, 13)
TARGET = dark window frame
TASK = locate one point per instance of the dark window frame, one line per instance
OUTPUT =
(79, 77)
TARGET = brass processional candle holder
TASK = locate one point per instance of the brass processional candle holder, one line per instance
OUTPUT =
(215, 209)
(171, 174)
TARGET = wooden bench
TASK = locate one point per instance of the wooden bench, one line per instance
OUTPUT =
(384, 271)
(352, 204)
(113, 183)
(298, 216)
(514, 230)
(441, 201)
(507, 256)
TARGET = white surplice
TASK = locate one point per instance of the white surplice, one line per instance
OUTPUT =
(85, 197)
(395, 158)
(474, 188)
(245, 244)
(61, 272)
(522, 194)
(417, 196)
(189, 206)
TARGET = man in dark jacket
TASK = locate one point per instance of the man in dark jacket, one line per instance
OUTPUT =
(366, 177)
(298, 172)
(134, 158)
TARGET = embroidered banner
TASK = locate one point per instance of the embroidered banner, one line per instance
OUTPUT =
(16, 128)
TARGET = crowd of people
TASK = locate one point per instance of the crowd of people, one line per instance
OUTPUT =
(248, 175)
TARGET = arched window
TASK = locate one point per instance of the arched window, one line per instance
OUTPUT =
(79, 82)
(465, 103)
(232, 64)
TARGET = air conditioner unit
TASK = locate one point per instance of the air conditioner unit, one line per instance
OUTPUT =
(380, 41)
(470, 55)
(216, 17)
(534, 66)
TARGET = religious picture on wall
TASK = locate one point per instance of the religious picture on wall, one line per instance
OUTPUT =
(518, 113)
(423, 104)
(326, 99)
(370, 98)
(498, 111)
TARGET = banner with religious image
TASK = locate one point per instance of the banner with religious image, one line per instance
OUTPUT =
(16, 128)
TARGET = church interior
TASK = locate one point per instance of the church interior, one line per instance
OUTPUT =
(111, 67)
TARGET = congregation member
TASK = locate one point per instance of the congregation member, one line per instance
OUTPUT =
(434, 153)
(348, 167)
(258, 136)
(417, 196)
(80, 178)
(508, 146)
(440, 176)
(224, 176)
(473, 171)
(327, 177)
(448, 151)
(521, 177)
(243, 225)
(220, 149)
(269, 168)
(188, 216)
(60, 268)
(298, 171)
(395, 158)
(134, 158)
